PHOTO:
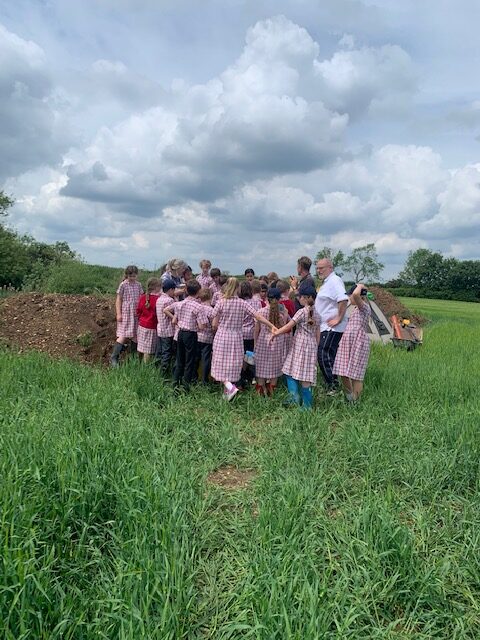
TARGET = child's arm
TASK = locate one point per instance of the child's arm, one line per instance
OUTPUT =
(285, 329)
(118, 307)
(356, 295)
(264, 321)
(168, 313)
(317, 335)
(256, 332)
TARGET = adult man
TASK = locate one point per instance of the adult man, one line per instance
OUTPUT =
(304, 279)
(331, 304)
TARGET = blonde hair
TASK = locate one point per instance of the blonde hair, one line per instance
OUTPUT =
(231, 288)
(153, 284)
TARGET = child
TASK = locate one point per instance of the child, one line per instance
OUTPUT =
(354, 348)
(147, 319)
(126, 302)
(190, 316)
(301, 362)
(272, 279)
(263, 293)
(205, 337)
(165, 328)
(246, 293)
(228, 319)
(249, 275)
(215, 275)
(289, 305)
(270, 354)
(204, 278)
(218, 295)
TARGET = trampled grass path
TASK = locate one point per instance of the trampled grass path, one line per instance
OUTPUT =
(356, 523)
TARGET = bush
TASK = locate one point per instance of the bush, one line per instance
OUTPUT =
(415, 292)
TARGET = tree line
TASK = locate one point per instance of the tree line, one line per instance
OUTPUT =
(25, 262)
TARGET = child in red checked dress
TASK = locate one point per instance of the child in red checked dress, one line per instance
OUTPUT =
(301, 362)
(228, 320)
(147, 319)
(128, 294)
(270, 354)
(354, 348)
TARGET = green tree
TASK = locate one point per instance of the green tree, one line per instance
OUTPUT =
(337, 258)
(5, 203)
(427, 270)
(363, 264)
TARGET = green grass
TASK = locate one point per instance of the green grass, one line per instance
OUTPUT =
(360, 523)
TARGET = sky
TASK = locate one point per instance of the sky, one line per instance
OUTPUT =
(249, 133)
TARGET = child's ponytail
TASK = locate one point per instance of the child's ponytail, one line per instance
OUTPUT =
(310, 311)
(153, 284)
(274, 312)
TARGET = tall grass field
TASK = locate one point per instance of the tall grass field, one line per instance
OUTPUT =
(355, 522)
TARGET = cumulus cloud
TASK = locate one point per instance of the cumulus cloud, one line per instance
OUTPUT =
(32, 131)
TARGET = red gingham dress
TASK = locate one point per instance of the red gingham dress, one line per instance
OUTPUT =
(206, 336)
(204, 281)
(130, 293)
(249, 321)
(270, 354)
(165, 327)
(354, 348)
(301, 361)
(227, 356)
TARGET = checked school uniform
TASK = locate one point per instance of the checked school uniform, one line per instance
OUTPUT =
(215, 287)
(204, 281)
(190, 313)
(301, 361)
(227, 357)
(249, 324)
(270, 353)
(165, 332)
(130, 293)
(354, 348)
(147, 324)
(204, 345)
(217, 296)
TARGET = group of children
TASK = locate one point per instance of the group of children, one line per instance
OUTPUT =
(236, 333)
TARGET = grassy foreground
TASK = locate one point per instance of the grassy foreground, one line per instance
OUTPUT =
(358, 523)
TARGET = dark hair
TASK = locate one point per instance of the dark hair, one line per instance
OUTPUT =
(215, 272)
(131, 270)
(263, 279)
(168, 285)
(245, 290)
(305, 263)
(249, 271)
(263, 286)
(193, 287)
(222, 280)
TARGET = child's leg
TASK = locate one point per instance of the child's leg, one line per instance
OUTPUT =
(146, 357)
(357, 388)
(292, 387)
(272, 383)
(260, 386)
(307, 395)
(190, 342)
(206, 361)
(180, 360)
(117, 350)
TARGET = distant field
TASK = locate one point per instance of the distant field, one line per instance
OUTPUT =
(353, 523)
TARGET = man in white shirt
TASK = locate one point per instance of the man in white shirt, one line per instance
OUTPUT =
(331, 304)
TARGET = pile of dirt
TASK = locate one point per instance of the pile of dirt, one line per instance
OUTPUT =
(391, 305)
(83, 327)
(74, 326)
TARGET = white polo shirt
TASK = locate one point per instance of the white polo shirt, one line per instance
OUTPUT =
(330, 294)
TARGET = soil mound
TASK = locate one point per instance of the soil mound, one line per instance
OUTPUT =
(74, 326)
(83, 327)
(391, 305)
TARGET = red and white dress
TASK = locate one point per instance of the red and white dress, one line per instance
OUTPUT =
(130, 293)
(147, 324)
(270, 353)
(227, 356)
(249, 321)
(204, 281)
(165, 328)
(354, 348)
(206, 336)
(301, 361)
